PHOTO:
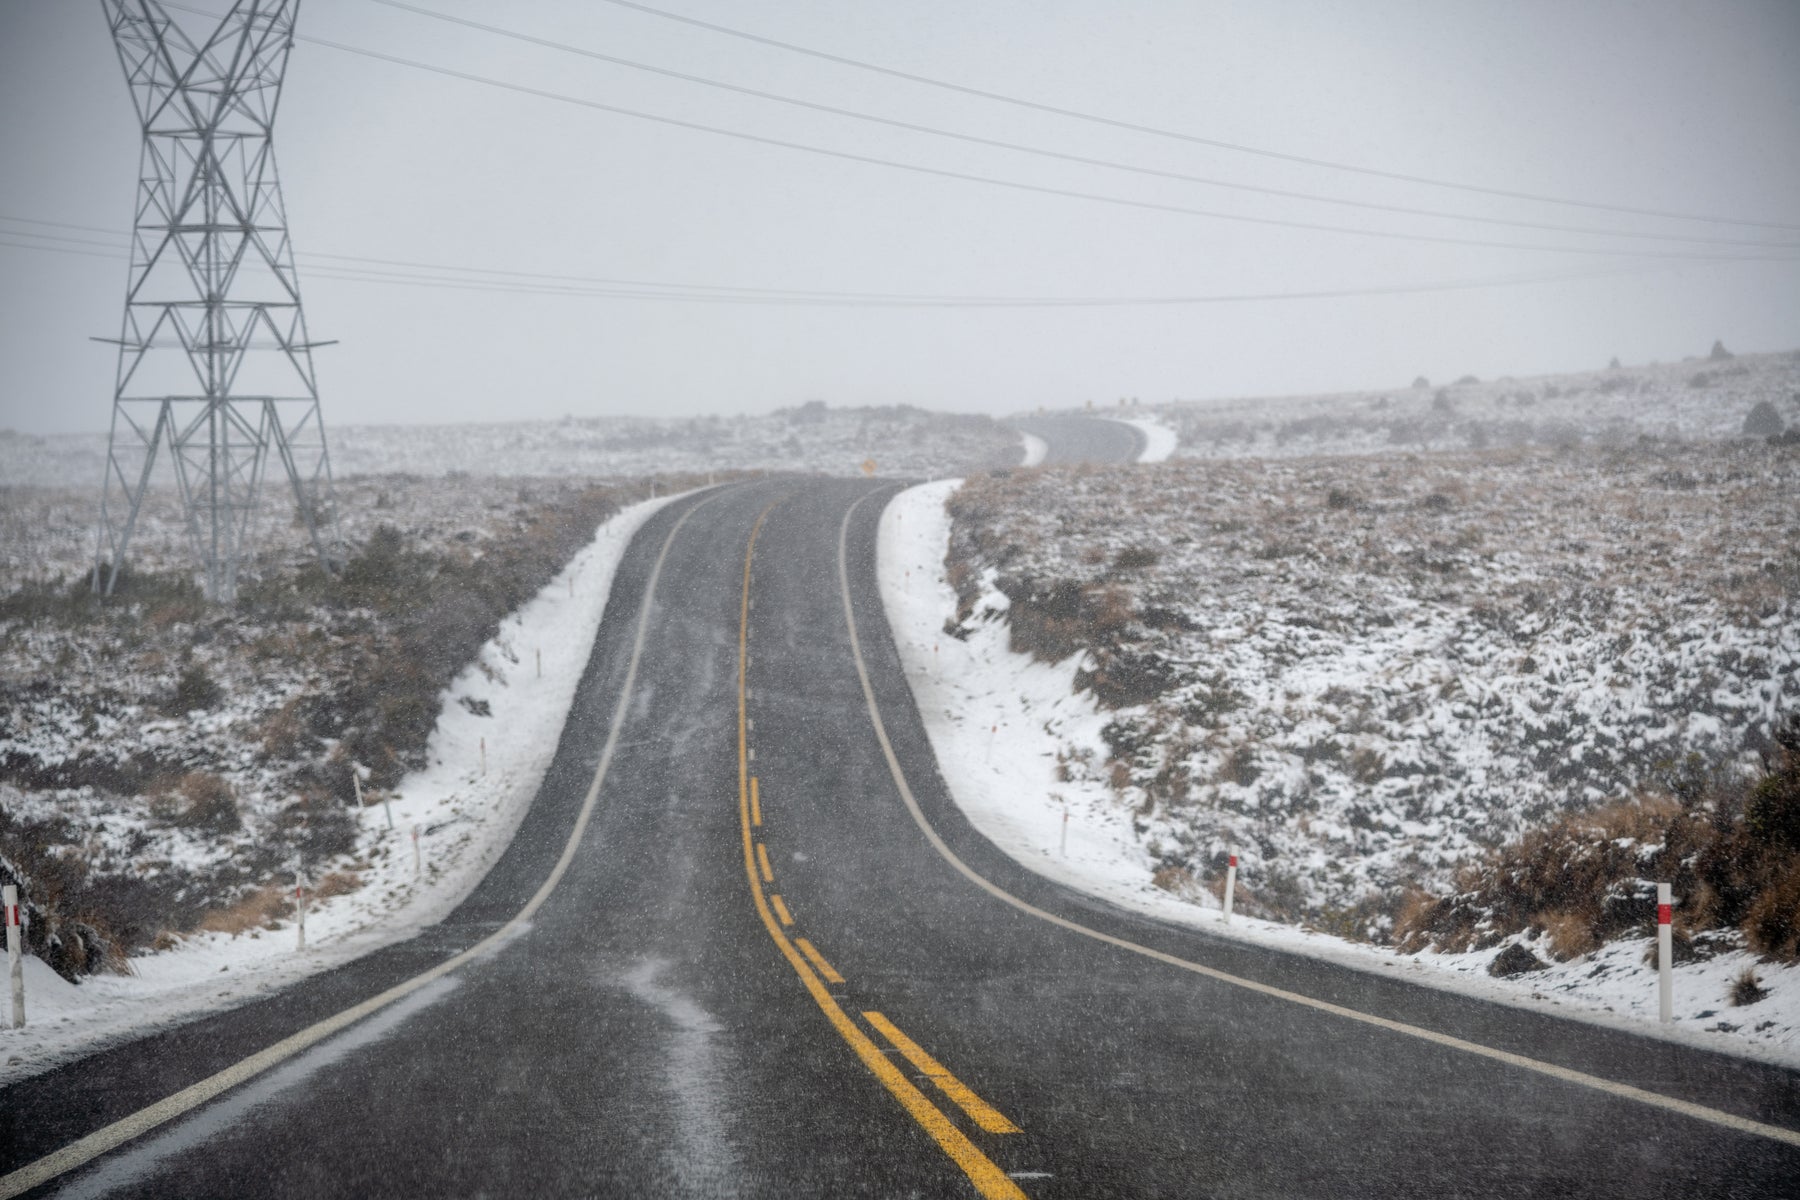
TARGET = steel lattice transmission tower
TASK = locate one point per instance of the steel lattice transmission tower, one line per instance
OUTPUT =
(214, 362)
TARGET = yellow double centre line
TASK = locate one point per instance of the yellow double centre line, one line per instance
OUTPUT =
(987, 1177)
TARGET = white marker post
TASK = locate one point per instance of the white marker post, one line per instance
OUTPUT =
(540, 662)
(15, 955)
(1665, 953)
(300, 908)
(418, 859)
(1230, 882)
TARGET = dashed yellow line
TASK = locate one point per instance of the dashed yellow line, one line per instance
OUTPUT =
(979, 1110)
(755, 802)
(989, 1180)
(818, 960)
(781, 910)
(762, 861)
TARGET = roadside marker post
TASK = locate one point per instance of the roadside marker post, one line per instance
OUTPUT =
(484, 756)
(418, 859)
(540, 662)
(15, 955)
(1665, 953)
(1230, 882)
(300, 908)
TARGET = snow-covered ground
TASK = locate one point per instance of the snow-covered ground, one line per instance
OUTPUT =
(1159, 439)
(901, 441)
(1694, 399)
(1366, 670)
(483, 772)
(1003, 727)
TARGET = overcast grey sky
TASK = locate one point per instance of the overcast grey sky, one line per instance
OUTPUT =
(1645, 104)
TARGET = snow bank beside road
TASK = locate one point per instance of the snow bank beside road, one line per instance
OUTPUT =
(996, 720)
(466, 817)
(1159, 439)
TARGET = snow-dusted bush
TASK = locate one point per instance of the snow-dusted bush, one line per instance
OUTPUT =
(1762, 420)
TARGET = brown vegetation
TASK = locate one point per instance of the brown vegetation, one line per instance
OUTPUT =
(1730, 849)
(259, 909)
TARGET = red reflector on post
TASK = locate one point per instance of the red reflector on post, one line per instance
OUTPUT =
(1663, 913)
(1233, 861)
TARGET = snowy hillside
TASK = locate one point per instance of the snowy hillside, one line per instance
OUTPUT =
(1008, 732)
(901, 441)
(163, 759)
(1701, 399)
(1364, 670)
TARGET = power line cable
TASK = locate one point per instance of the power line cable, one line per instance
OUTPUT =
(1041, 152)
(851, 300)
(1011, 184)
(1237, 147)
(306, 257)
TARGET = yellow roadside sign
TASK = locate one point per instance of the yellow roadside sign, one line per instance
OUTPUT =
(868, 466)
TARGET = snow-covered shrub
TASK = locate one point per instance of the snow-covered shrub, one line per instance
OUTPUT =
(1762, 420)
(194, 691)
(204, 801)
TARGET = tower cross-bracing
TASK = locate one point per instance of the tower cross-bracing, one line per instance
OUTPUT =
(214, 363)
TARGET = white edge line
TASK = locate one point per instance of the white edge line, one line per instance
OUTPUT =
(84, 1150)
(1623, 1090)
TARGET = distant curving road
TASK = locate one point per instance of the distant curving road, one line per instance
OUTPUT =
(1085, 439)
(752, 967)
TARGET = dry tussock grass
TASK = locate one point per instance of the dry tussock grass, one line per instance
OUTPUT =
(338, 883)
(1569, 934)
(260, 909)
(1730, 849)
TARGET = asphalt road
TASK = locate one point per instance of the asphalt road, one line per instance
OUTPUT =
(728, 990)
(1085, 439)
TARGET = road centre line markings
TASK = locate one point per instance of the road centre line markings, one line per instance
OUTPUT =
(818, 960)
(84, 1150)
(964, 1097)
(1699, 1112)
(762, 861)
(755, 803)
(988, 1178)
(781, 910)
